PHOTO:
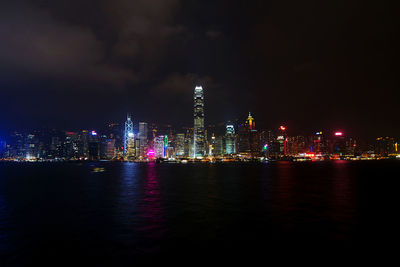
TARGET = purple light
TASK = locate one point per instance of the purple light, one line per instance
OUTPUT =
(93, 133)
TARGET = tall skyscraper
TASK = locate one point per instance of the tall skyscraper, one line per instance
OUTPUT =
(199, 135)
(230, 142)
(143, 132)
(128, 133)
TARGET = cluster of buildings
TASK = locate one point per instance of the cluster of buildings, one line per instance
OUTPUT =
(238, 140)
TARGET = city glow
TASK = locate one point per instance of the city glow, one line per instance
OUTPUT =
(131, 134)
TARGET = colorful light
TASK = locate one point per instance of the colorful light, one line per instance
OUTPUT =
(93, 133)
(338, 134)
(151, 154)
(282, 128)
(318, 133)
(265, 146)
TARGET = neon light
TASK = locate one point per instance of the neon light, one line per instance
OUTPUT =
(93, 133)
(282, 128)
(318, 133)
(338, 134)
(311, 149)
(151, 154)
(265, 146)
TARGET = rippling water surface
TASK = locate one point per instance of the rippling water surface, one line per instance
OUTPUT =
(133, 212)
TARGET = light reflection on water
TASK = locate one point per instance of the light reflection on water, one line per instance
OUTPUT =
(136, 208)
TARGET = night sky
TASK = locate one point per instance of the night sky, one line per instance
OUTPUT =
(308, 64)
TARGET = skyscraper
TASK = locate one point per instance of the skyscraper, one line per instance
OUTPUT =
(199, 135)
(128, 133)
(230, 142)
(143, 132)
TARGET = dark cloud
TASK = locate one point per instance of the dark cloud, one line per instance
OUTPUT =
(311, 64)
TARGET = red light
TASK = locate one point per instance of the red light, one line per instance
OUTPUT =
(282, 128)
(338, 134)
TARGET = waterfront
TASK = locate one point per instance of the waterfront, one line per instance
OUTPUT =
(142, 212)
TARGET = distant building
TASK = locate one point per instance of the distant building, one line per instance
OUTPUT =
(385, 146)
(128, 133)
(159, 146)
(249, 142)
(94, 146)
(180, 145)
(143, 134)
(230, 142)
(199, 133)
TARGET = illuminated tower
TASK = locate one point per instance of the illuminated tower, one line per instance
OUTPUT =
(230, 142)
(250, 124)
(128, 133)
(198, 136)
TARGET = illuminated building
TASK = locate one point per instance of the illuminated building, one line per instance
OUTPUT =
(248, 143)
(199, 134)
(128, 133)
(338, 143)
(170, 152)
(110, 152)
(131, 152)
(283, 141)
(318, 145)
(159, 146)
(115, 132)
(180, 145)
(94, 147)
(385, 146)
(143, 132)
(230, 142)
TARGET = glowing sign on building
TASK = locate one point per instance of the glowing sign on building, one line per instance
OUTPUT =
(338, 134)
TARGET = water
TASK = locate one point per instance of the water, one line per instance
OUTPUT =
(63, 213)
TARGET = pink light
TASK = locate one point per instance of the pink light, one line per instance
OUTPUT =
(338, 134)
(151, 153)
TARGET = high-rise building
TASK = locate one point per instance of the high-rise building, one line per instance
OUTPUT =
(143, 132)
(180, 145)
(128, 133)
(199, 134)
(159, 146)
(230, 142)
(131, 152)
(248, 143)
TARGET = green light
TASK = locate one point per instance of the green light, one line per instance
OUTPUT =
(166, 141)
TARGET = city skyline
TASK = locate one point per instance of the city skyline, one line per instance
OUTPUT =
(135, 140)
